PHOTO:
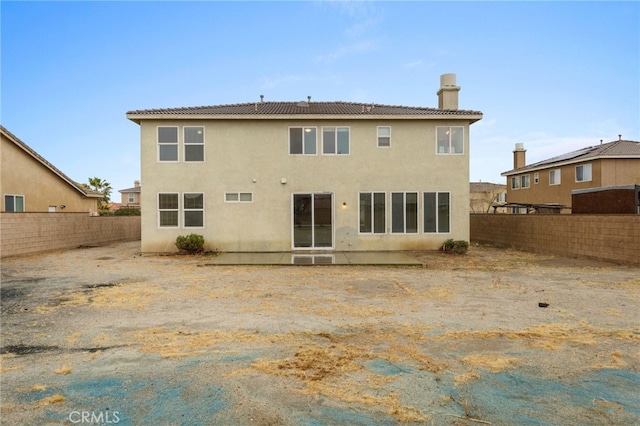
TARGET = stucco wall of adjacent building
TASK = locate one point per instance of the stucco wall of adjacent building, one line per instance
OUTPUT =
(24, 233)
(253, 156)
(22, 175)
(622, 171)
(613, 238)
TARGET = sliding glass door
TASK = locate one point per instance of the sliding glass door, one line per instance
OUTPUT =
(312, 221)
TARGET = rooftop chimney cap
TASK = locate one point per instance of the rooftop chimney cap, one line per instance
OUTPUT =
(520, 146)
(261, 98)
(448, 80)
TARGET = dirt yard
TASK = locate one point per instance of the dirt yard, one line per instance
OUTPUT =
(104, 335)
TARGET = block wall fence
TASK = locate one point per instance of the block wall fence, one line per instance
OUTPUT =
(614, 238)
(23, 233)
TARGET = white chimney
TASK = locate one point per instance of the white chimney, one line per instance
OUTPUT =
(448, 93)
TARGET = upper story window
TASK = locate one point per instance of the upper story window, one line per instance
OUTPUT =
(525, 181)
(515, 182)
(536, 178)
(554, 177)
(302, 140)
(14, 203)
(450, 140)
(168, 144)
(131, 198)
(583, 173)
(372, 212)
(335, 140)
(193, 143)
(384, 136)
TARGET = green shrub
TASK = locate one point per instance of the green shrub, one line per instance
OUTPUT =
(126, 211)
(455, 246)
(192, 243)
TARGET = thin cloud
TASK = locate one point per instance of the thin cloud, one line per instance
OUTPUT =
(344, 51)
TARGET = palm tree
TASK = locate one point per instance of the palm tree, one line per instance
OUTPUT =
(104, 187)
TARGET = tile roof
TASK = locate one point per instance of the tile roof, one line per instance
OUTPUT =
(304, 108)
(616, 149)
(486, 186)
(79, 187)
(134, 189)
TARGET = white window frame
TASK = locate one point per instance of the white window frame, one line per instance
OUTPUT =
(437, 215)
(303, 142)
(185, 210)
(335, 140)
(373, 220)
(515, 182)
(131, 197)
(584, 167)
(176, 144)
(449, 132)
(558, 174)
(177, 210)
(383, 136)
(185, 144)
(228, 197)
(525, 181)
(14, 196)
(404, 212)
(536, 178)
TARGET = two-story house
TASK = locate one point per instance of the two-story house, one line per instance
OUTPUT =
(130, 197)
(282, 176)
(550, 183)
(30, 183)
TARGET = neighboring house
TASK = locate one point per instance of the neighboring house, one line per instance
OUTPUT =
(487, 197)
(282, 176)
(131, 196)
(549, 183)
(29, 183)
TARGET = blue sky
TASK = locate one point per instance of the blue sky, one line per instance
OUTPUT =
(556, 76)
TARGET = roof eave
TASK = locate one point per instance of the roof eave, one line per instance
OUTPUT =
(29, 151)
(567, 163)
(137, 118)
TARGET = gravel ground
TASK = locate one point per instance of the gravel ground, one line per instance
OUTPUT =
(104, 335)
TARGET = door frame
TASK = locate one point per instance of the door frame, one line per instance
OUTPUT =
(333, 221)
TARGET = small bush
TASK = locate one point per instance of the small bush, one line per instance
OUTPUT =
(192, 243)
(126, 211)
(455, 246)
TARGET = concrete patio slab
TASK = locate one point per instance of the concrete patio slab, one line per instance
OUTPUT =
(303, 258)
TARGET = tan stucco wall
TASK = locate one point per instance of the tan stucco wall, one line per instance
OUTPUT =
(253, 156)
(620, 172)
(22, 175)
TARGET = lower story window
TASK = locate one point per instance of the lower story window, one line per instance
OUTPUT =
(14, 203)
(168, 207)
(193, 210)
(404, 212)
(372, 212)
(238, 197)
(437, 212)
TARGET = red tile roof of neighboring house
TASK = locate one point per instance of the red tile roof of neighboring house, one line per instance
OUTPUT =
(302, 109)
(79, 187)
(616, 149)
